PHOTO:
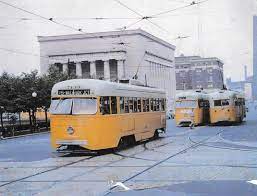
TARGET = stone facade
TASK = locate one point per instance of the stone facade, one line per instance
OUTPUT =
(194, 72)
(112, 56)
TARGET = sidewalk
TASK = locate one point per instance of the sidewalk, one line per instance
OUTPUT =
(40, 131)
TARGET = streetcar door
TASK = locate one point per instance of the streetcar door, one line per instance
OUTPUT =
(204, 104)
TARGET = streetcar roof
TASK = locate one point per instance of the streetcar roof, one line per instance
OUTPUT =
(106, 88)
(225, 94)
(191, 95)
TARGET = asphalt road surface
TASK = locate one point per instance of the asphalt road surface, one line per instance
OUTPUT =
(200, 161)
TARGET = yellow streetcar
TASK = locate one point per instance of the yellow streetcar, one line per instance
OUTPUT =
(94, 114)
(192, 108)
(226, 106)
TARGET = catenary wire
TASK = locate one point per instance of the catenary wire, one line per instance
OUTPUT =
(42, 17)
(178, 8)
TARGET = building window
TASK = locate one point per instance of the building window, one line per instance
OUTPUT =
(71, 69)
(182, 74)
(99, 65)
(198, 70)
(85, 67)
(209, 70)
(113, 70)
(210, 79)
(59, 67)
(210, 85)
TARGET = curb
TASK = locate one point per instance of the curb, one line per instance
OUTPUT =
(18, 136)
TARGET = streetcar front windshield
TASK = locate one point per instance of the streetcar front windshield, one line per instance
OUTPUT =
(61, 106)
(186, 104)
(84, 106)
(73, 106)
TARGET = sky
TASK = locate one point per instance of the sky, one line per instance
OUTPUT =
(216, 28)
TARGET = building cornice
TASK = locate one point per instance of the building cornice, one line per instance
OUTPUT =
(103, 35)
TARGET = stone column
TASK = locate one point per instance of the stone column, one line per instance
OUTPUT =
(107, 75)
(92, 69)
(121, 70)
(65, 67)
(78, 69)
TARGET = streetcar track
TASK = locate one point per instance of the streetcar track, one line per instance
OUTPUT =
(165, 159)
(92, 170)
(46, 171)
(133, 157)
(223, 147)
(181, 165)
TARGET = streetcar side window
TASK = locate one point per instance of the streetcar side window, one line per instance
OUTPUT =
(130, 105)
(147, 105)
(217, 102)
(162, 104)
(122, 105)
(138, 104)
(203, 104)
(135, 104)
(144, 105)
(105, 105)
(157, 104)
(152, 104)
(224, 102)
(114, 105)
(126, 103)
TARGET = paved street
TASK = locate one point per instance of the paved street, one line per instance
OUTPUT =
(200, 161)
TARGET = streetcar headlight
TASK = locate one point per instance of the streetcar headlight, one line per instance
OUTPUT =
(70, 130)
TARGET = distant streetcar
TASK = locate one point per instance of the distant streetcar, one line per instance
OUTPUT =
(94, 114)
(209, 107)
(227, 106)
(192, 108)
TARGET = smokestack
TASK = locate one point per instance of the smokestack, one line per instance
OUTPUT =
(245, 67)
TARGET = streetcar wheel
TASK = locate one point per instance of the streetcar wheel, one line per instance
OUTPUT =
(126, 142)
(156, 134)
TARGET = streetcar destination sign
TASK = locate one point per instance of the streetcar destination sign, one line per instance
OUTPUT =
(74, 92)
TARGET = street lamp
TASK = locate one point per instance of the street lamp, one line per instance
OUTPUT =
(34, 95)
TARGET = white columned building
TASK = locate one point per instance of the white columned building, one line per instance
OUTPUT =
(107, 70)
(112, 56)
(79, 69)
(92, 69)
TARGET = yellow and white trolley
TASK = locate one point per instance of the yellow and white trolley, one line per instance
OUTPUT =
(226, 106)
(192, 108)
(95, 114)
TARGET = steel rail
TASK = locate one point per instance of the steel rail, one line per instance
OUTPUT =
(46, 171)
(197, 144)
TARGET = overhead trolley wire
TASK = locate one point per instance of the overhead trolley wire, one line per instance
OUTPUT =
(135, 12)
(178, 8)
(42, 17)
(142, 17)
(132, 24)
